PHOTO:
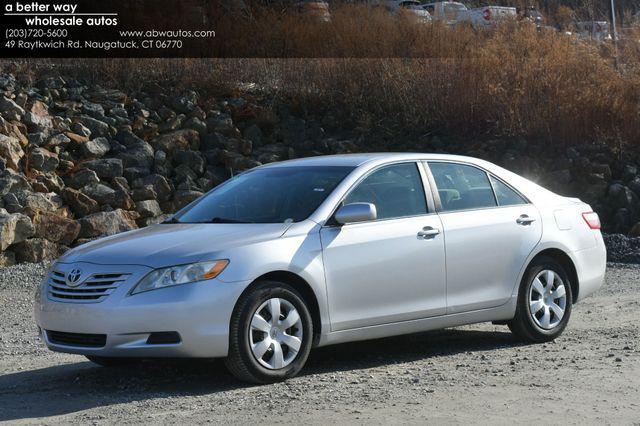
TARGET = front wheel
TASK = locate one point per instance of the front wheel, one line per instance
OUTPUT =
(270, 334)
(544, 302)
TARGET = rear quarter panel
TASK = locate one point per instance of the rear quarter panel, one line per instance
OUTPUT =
(565, 229)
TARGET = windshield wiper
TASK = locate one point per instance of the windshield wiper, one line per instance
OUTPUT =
(226, 220)
(171, 220)
(214, 220)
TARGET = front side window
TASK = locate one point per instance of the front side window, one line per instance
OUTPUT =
(395, 190)
(462, 187)
(269, 195)
(505, 195)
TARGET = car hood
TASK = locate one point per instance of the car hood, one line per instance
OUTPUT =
(164, 245)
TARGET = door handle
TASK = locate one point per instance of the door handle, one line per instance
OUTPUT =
(525, 220)
(428, 232)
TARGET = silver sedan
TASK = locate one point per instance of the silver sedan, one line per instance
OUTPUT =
(325, 250)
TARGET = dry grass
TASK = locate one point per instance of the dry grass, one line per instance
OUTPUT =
(376, 71)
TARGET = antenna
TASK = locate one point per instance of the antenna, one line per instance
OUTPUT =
(612, 11)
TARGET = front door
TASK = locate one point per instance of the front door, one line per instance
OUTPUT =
(390, 269)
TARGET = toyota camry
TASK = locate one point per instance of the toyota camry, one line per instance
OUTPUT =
(318, 251)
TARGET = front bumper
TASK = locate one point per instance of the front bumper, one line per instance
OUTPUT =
(198, 312)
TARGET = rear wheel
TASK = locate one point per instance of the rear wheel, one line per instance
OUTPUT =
(544, 302)
(270, 334)
(112, 361)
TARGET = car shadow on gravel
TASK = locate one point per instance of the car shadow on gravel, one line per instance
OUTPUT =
(414, 347)
(70, 388)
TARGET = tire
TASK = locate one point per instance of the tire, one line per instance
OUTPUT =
(537, 327)
(112, 361)
(280, 361)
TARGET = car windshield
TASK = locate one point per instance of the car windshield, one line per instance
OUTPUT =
(268, 195)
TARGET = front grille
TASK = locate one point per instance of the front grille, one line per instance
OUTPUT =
(93, 289)
(77, 339)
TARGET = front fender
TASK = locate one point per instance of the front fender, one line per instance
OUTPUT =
(298, 251)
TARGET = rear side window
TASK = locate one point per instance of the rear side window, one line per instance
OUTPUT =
(395, 190)
(506, 196)
(462, 187)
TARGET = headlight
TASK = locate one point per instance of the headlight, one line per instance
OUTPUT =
(181, 274)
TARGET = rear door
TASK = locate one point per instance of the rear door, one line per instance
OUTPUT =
(490, 230)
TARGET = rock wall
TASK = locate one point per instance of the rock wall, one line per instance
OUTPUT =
(78, 162)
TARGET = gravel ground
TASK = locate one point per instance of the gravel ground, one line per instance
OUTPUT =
(468, 374)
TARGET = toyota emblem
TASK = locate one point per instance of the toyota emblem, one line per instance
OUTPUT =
(73, 277)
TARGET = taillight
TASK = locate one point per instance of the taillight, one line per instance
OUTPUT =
(487, 14)
(592, 219)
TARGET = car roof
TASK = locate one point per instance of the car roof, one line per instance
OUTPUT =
(356, 160)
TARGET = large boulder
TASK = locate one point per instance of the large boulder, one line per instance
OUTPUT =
(101, 193)
(148, 208)
(179, 140)
(52, 182)
(80, 204)
(160, 184)
(131, 174)
(107, 168)
(37, 117)
(184, 197)
(184, 103)
(95, 148)
(619, 196)
(11, 181)
(222, 123)
(12, 204)
(11, 151)
(212, 141)
(14, 129)
(55, 228)
(96, 127)
(39, 201)
(107, 223)
(93, 109)
(138, 154)
(36, 250)
(82, 178)
(77, 139)
(7, 82)
(153, 220)
(14, 228)
(43, 160)
(122, 200)
(7, 258)
(192, 159)
(634, 185)
(59, 139)
(9, 106)
(145, 193)
(254, 134)
(196, 124)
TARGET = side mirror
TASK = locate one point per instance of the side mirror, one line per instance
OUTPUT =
(356, 212)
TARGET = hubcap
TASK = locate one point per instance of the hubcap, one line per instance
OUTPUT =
(276, 333)
(547, 299)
